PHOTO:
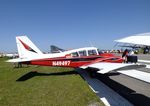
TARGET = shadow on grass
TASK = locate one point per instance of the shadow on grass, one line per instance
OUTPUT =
(131, 95)
(35, 73)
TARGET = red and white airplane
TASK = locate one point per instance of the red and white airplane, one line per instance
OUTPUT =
(84, 58)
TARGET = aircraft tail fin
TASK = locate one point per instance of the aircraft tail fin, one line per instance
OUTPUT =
(26, 48)
(55, 49)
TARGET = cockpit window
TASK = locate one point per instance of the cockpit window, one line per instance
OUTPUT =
(82, 53)
(74, 54)
(92, 52)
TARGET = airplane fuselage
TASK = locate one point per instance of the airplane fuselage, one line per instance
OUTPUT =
(75, 62)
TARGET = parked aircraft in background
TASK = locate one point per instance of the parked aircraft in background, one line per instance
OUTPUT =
(55, 49)
(11, 55)
(85, 58)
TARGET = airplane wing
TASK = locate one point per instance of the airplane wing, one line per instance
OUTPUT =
(138, 39)
(107, 67)
(126, 69)
(144, 76)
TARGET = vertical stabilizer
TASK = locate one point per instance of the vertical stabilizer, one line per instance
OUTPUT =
(26, 48)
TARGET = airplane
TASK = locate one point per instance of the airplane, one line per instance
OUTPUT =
(55, 49)
(11, 55)
(84, 58)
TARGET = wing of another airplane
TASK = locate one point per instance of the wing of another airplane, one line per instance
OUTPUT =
(137, 39)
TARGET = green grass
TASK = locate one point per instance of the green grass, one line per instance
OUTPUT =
(48, 86)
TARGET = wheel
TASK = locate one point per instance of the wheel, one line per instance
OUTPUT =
(92, 74)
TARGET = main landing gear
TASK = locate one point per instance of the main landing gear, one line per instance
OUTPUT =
(92, 72)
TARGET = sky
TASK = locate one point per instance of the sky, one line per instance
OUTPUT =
(71, 23)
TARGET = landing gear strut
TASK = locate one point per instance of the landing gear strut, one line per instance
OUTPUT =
(91, 72)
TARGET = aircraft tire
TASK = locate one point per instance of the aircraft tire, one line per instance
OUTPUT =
(92, 74)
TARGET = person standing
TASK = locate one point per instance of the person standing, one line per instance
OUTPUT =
(124, 55)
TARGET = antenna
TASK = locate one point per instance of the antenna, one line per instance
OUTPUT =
(91, 44)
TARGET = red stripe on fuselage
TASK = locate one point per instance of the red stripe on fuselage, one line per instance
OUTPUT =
(75, 62)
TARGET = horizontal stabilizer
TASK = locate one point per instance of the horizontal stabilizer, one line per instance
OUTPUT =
(18, 60)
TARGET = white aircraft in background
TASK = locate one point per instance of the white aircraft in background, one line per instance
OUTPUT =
(84, 58)
(11, 55)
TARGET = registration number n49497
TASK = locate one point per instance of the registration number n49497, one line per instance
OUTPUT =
(60, 63)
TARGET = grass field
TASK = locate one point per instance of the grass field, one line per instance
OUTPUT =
(43, 86)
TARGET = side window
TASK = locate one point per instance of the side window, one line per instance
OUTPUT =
(82, 53)
(92, 52)
(74, 54)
